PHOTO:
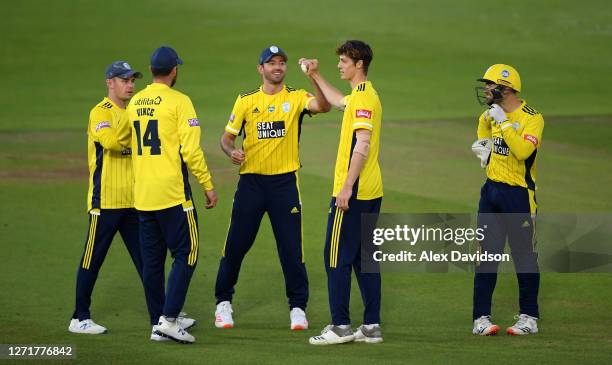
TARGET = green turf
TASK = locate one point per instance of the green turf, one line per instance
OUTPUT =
(427, 55)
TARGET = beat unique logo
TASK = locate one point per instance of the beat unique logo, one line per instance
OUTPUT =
(267, 130)
(500, 147)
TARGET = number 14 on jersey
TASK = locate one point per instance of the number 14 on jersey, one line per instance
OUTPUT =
(149, 139)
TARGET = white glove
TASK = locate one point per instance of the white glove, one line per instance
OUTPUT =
(482, 150)
(497, 113)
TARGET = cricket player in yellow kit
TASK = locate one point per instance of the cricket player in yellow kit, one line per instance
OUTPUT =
(357, 190)
(269, 119)
(110, 199)
(509, 138)
(164, 131)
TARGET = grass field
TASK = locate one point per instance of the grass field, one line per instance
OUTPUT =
(426, 58)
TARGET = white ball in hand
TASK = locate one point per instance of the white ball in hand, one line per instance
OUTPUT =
(304, 67)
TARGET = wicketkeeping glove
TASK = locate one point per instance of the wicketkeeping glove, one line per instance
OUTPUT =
(497, 113)
(482, 150)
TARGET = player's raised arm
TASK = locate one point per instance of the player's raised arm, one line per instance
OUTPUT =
(521, 145)
(332, 95)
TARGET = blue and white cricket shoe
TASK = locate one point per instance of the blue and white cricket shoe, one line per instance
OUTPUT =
(525, 325)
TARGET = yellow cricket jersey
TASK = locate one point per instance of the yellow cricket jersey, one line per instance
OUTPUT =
(515, 146)
(110, 165)
(362, 111)
(165, 141)
(271, 126)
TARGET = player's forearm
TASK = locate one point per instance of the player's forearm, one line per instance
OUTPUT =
(109, 141)
(356, 165)
(519, 147)
(196, 163)
(227, 144)
(359, 157)
(331, 94)
(323, 104)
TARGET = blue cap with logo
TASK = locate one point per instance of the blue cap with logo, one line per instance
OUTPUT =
(268, 53)
(165, 58)
(121, 69)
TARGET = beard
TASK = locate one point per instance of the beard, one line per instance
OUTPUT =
(274, 80)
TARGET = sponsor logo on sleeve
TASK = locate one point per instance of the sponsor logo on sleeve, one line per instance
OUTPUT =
(232, 117)
(102, 125)
(531, 139)
(363, 113)
(194, 122)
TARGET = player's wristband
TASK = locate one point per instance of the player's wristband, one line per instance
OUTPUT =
(505, 125)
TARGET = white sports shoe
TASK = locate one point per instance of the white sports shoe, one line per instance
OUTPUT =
(332, 335)
(185, 322)
(369, 333)
(86, 326)
(484, 327)
(525, 325)
(156, 337)
(298, 319)
(223, 315)
(173, 331)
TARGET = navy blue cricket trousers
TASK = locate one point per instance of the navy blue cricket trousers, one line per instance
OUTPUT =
(174, 229)
(508, 213)
(342, 254)
(279, 196)
(103, 225)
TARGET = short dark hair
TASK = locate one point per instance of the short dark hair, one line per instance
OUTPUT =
(161, 71)
(356, 50)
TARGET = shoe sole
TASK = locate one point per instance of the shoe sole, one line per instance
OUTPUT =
(370, 340)
(298, 327)
(512, 333)
(338, 341)
(158, 338)
(87, 333)
(492, 332)
(160, 333)
(226, 325)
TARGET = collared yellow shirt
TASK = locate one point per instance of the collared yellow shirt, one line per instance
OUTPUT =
(163, 130)
(513, 158)
(362, 111)
(271, 126)
(110, 165)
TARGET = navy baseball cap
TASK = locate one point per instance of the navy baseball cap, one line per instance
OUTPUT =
(165, 58)
(268, 53)
(121, 69)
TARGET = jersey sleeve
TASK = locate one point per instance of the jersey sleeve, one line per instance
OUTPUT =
(484, 126)
(362, 110)
(124, 130)
(234, 125)
(522, 145)
(189, 137)
(101, 129)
